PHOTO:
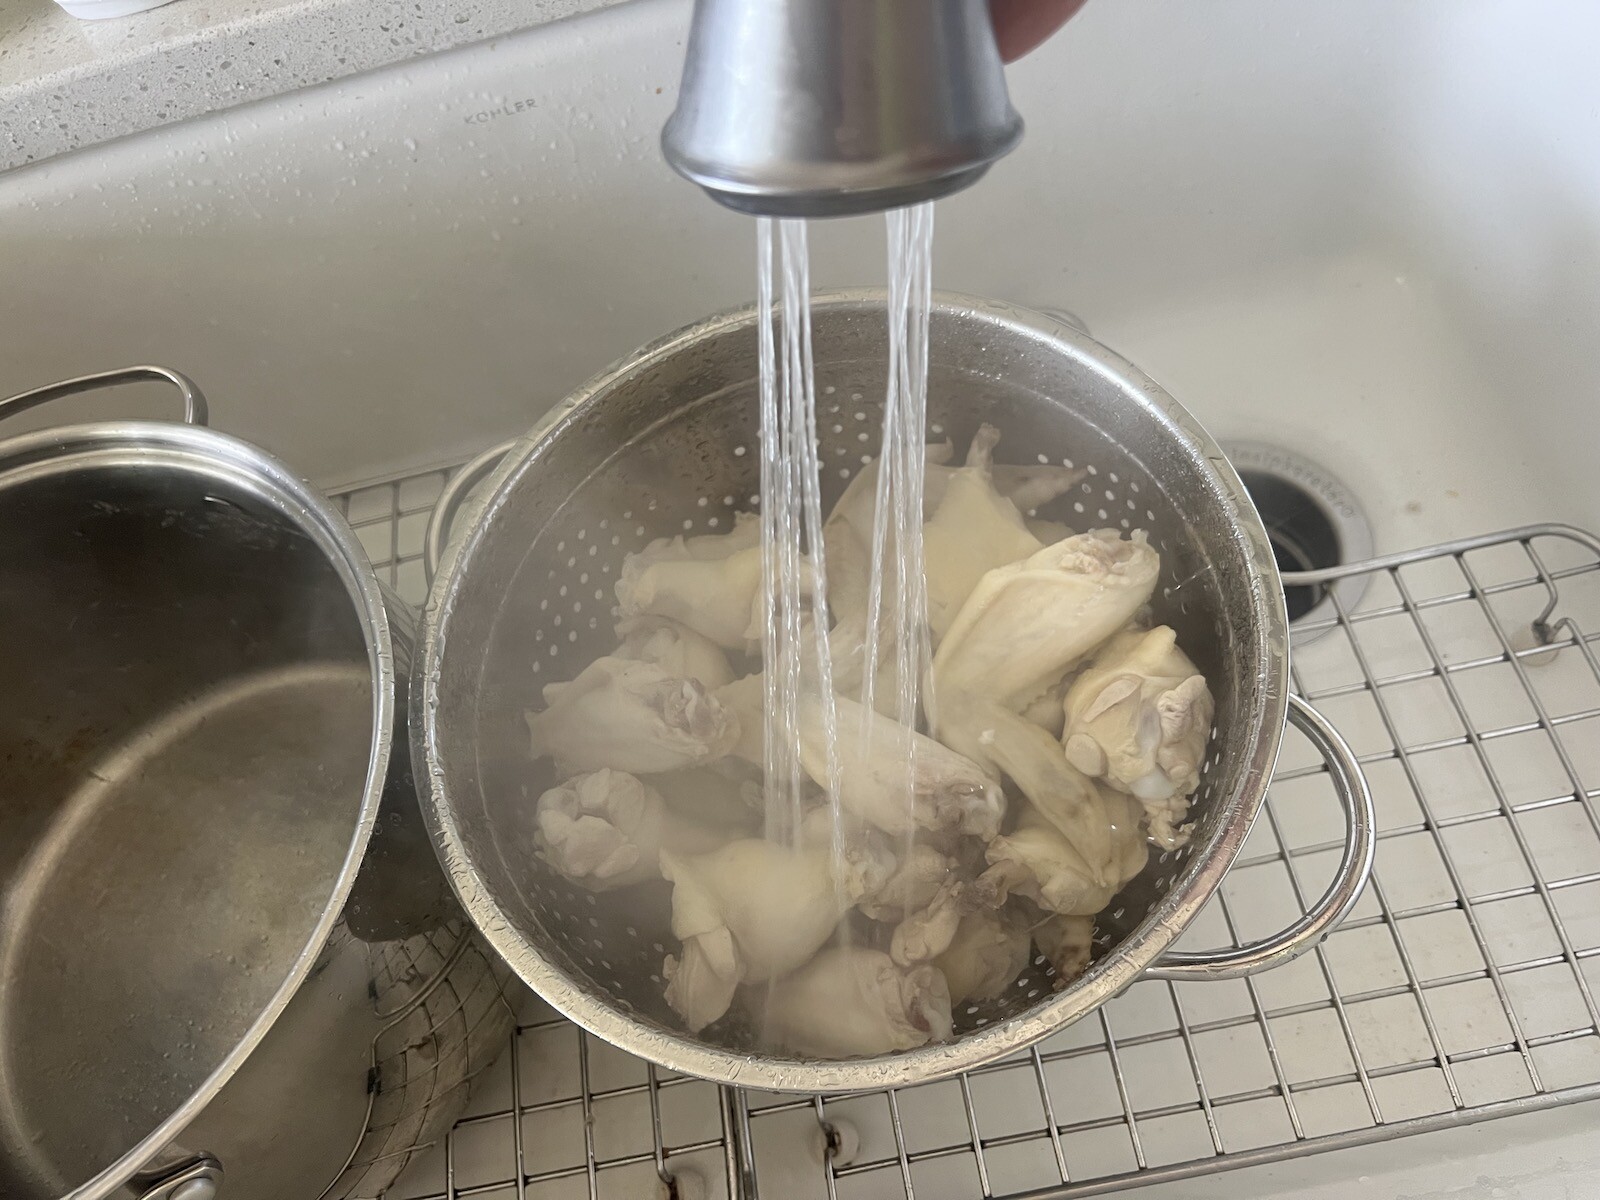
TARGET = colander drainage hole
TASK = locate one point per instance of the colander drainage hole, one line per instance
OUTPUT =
(1312, 521)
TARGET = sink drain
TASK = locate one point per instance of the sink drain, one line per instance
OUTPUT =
(1313, 522)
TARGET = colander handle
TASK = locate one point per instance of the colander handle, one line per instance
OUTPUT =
(450, 501)
(1348, 881)
(194, 404)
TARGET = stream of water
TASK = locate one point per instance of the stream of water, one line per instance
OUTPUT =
(801, 715)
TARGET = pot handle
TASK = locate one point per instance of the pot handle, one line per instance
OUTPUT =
(194, 404)
(450, 501)
(1348, 881)
(198, 1177)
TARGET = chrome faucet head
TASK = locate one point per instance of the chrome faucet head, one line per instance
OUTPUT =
(823, 108)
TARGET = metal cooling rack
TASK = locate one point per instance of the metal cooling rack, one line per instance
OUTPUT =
(440, 998)
(1462, 987)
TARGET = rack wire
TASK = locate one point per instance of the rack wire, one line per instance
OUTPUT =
(440, 999)
(1463, 986)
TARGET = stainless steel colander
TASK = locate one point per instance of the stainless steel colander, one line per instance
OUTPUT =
(665, 443)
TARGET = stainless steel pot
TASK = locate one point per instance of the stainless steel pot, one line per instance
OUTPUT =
(664, 443)
(196, 732)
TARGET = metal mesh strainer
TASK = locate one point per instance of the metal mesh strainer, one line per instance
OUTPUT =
(666, 443)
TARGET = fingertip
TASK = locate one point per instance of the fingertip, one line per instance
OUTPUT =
(1022, 25)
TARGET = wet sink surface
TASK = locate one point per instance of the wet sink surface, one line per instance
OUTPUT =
(1367, 232)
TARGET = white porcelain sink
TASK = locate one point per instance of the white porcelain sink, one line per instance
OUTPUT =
(1368, 231)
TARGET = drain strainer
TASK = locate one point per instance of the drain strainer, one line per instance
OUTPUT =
(1313, 522)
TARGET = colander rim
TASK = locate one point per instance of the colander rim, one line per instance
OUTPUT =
(1117, 970)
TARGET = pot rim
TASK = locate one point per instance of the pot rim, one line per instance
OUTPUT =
(174, 446)
(1112, 974)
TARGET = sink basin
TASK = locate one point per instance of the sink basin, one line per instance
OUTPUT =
(1369, 232)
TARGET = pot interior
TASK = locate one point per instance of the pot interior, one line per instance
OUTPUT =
(186, 741)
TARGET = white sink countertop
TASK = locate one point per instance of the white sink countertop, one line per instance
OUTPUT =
(66, 83)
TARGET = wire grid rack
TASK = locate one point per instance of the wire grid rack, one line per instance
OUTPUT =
(1461, 988)
(440, 999)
